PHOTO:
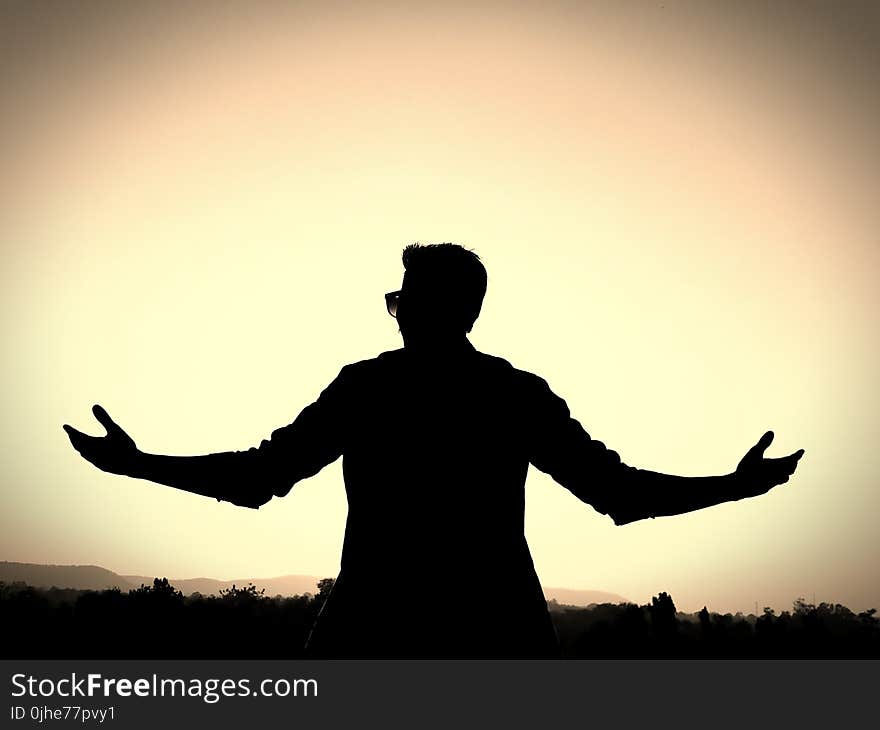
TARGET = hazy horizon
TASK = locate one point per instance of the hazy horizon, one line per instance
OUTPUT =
(188, 189)
(82, 577)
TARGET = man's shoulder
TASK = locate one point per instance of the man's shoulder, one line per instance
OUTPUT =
(494, 365)
(521, 385)
(383, 359)
(375, 364)
(505, 367)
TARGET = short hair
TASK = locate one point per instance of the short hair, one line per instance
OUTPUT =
(455, 268)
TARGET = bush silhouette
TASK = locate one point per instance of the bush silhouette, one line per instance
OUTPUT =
(158, 621)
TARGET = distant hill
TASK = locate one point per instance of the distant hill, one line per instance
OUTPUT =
(93, 577)
(83, 577)
(573, 597)
(285, 585)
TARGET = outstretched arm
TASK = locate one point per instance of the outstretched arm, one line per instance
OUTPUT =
(235, 476)
(561, 447)
(246, 478)
(651, 494)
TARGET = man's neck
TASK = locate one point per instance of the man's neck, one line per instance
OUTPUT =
(439, 348)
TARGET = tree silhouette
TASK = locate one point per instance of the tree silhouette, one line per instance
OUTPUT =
(242, 622)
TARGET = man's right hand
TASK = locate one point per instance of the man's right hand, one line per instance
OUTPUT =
(115, 453)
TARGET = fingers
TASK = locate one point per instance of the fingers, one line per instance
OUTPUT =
(73, 434)
(79, 440)
(783, 468)
(790, 460)
(766, 440)
(785, 465)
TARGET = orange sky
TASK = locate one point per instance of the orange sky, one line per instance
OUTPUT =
(676, 206)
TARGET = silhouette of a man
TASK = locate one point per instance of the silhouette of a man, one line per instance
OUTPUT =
(436, 440)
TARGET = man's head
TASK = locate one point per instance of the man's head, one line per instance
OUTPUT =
(442, 292)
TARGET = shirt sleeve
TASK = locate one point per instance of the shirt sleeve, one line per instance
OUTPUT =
(559, 446)
(293, 452)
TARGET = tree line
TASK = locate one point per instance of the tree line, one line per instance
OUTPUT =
(158, 621)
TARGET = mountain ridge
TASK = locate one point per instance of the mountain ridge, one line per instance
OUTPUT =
(95, 577)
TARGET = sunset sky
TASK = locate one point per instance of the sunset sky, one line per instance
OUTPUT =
(202, 205)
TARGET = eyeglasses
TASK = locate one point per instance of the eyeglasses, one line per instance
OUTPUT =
(392, 299)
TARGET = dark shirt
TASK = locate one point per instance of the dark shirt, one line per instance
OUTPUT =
(435, 455)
